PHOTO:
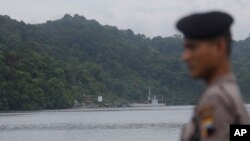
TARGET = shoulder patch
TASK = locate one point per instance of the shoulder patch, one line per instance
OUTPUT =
(206, 121)
(206, 110)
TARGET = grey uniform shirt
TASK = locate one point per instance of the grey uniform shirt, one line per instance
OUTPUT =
(220, 106)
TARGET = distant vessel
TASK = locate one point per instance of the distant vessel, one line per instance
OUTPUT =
(152, 101)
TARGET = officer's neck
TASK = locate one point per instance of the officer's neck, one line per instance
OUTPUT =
(222, 70)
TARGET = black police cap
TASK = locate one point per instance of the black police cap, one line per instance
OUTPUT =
(205, 25)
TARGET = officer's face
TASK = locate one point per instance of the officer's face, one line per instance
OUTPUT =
(202, 57)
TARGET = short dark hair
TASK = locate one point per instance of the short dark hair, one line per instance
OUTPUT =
(228, 39)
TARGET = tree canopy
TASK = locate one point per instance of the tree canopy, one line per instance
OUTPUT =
(49, 65)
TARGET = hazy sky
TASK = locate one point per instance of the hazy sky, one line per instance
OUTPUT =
(149, 17)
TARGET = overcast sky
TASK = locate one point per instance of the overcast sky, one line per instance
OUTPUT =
(149, 17)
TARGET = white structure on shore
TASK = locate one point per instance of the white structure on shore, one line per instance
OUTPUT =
(155, 101)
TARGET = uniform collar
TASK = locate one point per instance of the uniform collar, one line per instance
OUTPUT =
(229, 77)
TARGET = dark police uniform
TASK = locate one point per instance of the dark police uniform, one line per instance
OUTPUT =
(221, 103)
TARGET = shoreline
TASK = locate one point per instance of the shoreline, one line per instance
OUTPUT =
(89, 109)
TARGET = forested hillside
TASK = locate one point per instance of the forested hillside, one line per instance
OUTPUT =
(49, 65)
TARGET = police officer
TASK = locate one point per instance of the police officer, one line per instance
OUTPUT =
(207, 41)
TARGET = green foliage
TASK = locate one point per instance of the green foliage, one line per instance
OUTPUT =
(48, 66)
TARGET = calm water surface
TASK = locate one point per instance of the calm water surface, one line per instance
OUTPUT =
(116, 124)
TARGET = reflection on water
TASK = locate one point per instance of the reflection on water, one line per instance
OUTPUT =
(114, 124)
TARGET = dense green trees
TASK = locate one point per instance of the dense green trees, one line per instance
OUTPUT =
(46, 66)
